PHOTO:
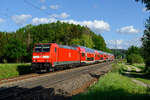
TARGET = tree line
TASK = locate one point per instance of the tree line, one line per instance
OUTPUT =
(144, 51)
(134, 55)
(119, 53)
(17, 46)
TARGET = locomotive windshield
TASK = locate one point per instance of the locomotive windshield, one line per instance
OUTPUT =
(42, 48)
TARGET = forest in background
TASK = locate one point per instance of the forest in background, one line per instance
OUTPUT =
(119, 53)
(17, 46)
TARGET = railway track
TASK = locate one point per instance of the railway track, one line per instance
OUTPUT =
(7, 80)
(37, 82)
(32, 75)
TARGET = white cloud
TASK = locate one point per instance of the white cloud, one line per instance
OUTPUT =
(123, 44)
(37, 20)
(98, 26)
(21, 19)
(1, 20)
(54, 7)
(42, 1)
(43, 7)
(114, 43)
(62, 15)
(128, 30)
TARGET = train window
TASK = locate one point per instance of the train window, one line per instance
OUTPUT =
(46, 48)
(42, 48)
(38, 49)
(90, 59)
(55, 49)
(83, 54)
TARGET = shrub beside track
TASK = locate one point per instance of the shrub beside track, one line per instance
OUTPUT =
(12, 70)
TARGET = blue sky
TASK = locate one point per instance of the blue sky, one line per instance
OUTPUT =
(120, 22)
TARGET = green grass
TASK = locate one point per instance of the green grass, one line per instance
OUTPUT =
(133, 67)
(11, 70)
(114, 86)
(141, 66)
(146, 78)
(146, 81)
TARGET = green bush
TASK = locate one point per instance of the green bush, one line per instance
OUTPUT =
(134, 58)
(14, 69)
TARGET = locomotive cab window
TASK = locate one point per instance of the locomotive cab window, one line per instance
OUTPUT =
(46, 48)
(42, 48)
(38, 48)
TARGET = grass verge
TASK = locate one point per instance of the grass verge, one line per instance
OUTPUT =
(114, 86)
(11, 70)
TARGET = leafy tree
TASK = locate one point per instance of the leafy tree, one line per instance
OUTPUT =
(135, 58)
(146, 2)
(75, 41)
(119, 53)
(146, 44)
(2, 45)
(15, 50)
(4, 37)
(146, 37)
(99, 42)
(86, 40)
(132, 51)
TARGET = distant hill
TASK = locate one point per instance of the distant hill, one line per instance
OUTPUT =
(119, 52)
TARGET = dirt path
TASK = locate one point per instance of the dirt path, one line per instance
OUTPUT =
(129, 69)
(140, 82)
(133, 79)
(137, 69)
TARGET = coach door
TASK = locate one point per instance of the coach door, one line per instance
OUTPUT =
(83, 56)
(55, 55)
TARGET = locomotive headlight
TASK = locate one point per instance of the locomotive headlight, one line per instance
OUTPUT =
(45, 56)
(35, 56)
(34, 60)
(46, 60)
